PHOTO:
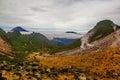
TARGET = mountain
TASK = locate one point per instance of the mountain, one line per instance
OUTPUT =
(102, 36)
(111, 41)
(21, 44)
(102, 29)
(28, 43)
(63, 41)
(72, 32)
(19, 28)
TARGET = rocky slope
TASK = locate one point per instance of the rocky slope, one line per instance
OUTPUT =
(5, 47)
(100, 45)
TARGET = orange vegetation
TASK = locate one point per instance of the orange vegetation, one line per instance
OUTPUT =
(101, 64)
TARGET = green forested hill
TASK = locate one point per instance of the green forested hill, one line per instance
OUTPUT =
(102, 29)
(28, 43)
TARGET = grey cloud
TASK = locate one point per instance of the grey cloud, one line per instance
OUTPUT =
(118, 8)
(68, 3)
(11, 19)
(38, 9)
(64, 14)
(116, 11)
(1, 13)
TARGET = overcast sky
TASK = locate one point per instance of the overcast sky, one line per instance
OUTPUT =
(78, 15)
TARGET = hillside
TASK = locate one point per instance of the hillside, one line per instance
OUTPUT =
(5, 47)
(104, 65)
(99, 45)
(99, 31)
(3, 34)
(22, 44)
(90, 66)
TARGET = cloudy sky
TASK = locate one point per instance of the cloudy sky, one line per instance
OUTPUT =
(77, 15)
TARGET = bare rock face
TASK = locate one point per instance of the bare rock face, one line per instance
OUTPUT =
(112, 40)
(117, 39)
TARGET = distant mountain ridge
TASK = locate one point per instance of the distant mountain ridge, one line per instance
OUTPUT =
(72, 32)
(19, 28)
(63, 41)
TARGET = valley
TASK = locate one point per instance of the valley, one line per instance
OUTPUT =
(59, 39)
(35, 57)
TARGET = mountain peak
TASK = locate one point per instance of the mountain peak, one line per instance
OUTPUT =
(19, 28)
(106, 20)
(105, 23)
(101, 30)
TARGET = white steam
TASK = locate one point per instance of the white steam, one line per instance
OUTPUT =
(84, 40)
